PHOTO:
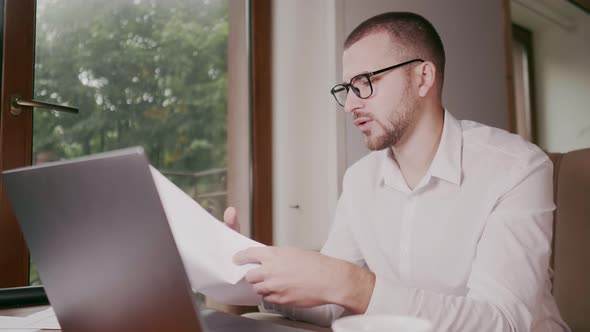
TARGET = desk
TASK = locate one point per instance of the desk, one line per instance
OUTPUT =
(25, 311)
(21, 312)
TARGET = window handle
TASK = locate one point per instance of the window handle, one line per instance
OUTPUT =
(17, 103)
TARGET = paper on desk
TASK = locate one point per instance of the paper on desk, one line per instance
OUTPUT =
(44, 319)
(206, 247)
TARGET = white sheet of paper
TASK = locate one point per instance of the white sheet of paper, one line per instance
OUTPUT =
(7, 322)
(206, 247)
(44, 319)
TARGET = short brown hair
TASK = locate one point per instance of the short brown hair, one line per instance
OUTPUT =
(415, 34)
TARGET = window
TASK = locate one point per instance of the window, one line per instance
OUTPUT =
(142, 72)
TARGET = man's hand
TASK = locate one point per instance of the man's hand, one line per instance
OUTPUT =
(230, 218)
(301, 278)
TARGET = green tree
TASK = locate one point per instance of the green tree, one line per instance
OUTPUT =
(150, 73)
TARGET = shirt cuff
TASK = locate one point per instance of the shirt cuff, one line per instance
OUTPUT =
(390, 298)
(322, 315)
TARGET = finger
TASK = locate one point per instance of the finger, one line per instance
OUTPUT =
(275, 298)
(251, 255)
(262, 288)
(256, 275)
(230, 217)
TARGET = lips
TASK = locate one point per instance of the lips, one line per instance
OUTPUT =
(363, 123)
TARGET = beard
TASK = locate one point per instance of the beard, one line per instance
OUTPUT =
(395, 125)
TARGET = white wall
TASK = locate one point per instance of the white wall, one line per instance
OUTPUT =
(305, 121)
(473, 36)
(313, 144)
(561, 46)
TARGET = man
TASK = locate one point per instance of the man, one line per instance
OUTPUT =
(446, 220)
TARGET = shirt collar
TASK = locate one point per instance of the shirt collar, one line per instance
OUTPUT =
(446, 164)
(391, 174)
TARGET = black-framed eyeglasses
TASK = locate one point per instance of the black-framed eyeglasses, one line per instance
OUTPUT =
(361, 84)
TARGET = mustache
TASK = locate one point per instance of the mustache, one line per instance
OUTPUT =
(357, 115)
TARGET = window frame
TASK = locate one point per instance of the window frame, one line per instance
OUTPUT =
(15, 132)
(261, 117)
(524, 37)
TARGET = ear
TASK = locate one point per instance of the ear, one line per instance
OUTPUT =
(427, 77)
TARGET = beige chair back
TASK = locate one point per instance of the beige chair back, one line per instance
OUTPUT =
(571, 242)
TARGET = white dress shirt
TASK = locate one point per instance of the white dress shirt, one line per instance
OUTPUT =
(468, 249)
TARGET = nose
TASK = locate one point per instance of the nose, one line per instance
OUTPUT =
(352, 102)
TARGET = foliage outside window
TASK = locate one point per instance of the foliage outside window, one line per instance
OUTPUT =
(150, 73)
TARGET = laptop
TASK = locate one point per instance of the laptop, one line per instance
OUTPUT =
(97, 231)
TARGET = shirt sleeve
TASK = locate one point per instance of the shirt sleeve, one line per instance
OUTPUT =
(510, 268)
(340, 244)
(322, 315)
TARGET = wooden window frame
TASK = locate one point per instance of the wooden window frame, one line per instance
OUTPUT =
(15, 132)
(509, 78)
(525, 37)
(261, 115)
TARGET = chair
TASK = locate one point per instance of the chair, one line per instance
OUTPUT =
(571, 241)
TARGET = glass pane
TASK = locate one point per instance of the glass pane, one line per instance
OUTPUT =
(149, 73)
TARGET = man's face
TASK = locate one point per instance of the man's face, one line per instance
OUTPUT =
(385, 116)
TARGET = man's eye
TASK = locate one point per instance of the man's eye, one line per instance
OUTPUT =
(362, 81)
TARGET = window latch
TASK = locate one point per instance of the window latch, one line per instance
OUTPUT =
(17, 103)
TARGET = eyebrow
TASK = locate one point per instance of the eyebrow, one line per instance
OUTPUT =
(353, 76)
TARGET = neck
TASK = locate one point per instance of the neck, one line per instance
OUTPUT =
(416, 149)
